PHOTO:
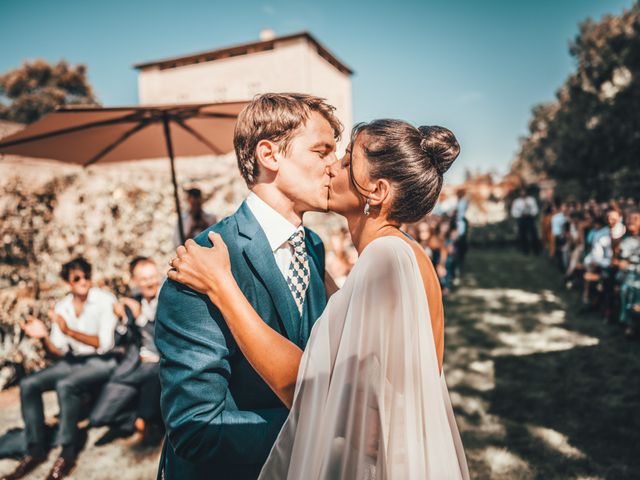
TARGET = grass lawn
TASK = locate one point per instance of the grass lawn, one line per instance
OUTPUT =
(540, 390)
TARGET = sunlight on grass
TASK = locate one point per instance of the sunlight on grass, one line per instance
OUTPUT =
(505, 464)
(556, 441)
(551, 339)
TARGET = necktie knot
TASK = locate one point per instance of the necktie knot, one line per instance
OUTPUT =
(297, 241)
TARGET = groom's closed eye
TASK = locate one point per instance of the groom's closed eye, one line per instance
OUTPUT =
(323, 149)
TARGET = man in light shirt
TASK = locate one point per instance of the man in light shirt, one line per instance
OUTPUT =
(81, 337)
(525, 209)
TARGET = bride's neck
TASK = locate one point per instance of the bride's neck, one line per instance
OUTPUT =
(365, 229)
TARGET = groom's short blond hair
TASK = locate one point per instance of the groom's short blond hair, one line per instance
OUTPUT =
(275, 117)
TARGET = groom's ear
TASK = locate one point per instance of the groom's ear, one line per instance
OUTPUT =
(266, 152)
(380, 192)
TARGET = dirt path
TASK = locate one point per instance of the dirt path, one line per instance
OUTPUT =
(116, 460)
(541, 392)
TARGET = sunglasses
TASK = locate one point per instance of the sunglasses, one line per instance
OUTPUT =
(77, 278)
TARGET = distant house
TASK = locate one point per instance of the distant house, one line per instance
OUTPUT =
(292, 63)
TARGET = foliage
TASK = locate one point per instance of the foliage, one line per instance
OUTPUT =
(588, 138)
(37, 88)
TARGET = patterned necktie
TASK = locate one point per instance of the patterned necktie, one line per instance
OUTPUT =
(298, 271)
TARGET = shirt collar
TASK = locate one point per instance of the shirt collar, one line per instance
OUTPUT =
(276, 228)
(91, 296)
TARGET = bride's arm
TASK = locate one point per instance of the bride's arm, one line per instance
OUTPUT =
(208, 271)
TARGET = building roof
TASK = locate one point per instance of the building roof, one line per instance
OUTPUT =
(244, 49)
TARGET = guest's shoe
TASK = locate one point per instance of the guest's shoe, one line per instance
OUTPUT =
(112, 434)
(61, 468)
(26, 465)
(150, 437)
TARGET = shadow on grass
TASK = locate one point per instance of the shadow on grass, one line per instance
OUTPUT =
(540, 390)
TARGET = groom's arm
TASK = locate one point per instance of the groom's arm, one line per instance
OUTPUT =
(194, 373)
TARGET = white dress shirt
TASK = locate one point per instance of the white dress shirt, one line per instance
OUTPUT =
(97, 319)
(524, 206)
(277, 229)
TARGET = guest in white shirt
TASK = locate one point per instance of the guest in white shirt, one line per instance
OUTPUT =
(82, 335)
(525, 209)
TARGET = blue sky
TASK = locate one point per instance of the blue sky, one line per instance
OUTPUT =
(476, 67)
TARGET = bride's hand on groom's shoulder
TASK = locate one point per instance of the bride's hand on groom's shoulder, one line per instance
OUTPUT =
(204, 269)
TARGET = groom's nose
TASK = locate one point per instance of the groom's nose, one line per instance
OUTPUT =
(330, 168)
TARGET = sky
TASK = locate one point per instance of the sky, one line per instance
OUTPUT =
(475, 67)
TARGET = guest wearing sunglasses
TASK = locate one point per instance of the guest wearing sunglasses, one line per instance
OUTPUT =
(81, 339)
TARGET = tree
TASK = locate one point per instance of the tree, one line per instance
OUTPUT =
(37, 88)
(589, 136)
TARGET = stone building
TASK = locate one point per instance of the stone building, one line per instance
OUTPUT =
(292, 63)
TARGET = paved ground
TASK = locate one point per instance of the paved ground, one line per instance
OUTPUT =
(541, 392)
(114, 461)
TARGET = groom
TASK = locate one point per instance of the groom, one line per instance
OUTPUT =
(221, 417)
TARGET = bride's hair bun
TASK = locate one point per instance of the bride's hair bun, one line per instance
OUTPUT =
(440, 145)
(413, 159)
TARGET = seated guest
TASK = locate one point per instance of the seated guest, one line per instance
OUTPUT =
(81, 337)
(131, 399)
(599, 261)
(629, 265)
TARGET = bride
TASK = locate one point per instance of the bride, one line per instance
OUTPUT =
(367, 397)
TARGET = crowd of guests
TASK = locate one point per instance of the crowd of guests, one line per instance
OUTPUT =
(104, 364)
(596, 246)
(443, 235)
(104, 367)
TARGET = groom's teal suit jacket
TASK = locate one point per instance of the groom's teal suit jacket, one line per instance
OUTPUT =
(221, 417)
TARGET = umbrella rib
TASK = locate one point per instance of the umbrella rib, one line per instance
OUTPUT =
(230, 116)
(113, 145)
(64, 131)
(199, 137)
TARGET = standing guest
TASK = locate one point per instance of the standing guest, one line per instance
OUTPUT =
(423, 235)
(629, 265)
(136, 380)
(81, 337)
(462, 227)
(525, 209)
(196, 220)
(547, 237)
(441, 247)
(338, 263)
(558, 221)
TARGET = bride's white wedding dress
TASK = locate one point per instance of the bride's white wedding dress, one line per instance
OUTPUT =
(370, 402)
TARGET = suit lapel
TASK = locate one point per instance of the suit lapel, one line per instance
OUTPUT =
(260, 257)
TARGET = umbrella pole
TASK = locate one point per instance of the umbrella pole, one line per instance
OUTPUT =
(167, 136)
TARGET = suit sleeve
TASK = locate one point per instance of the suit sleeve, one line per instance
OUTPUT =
(202, 423)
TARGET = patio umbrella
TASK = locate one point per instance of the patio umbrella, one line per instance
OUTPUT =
(87, 135)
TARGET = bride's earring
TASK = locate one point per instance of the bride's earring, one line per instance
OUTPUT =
(367, 207)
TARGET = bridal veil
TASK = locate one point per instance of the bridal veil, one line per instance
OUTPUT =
(370, 402)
